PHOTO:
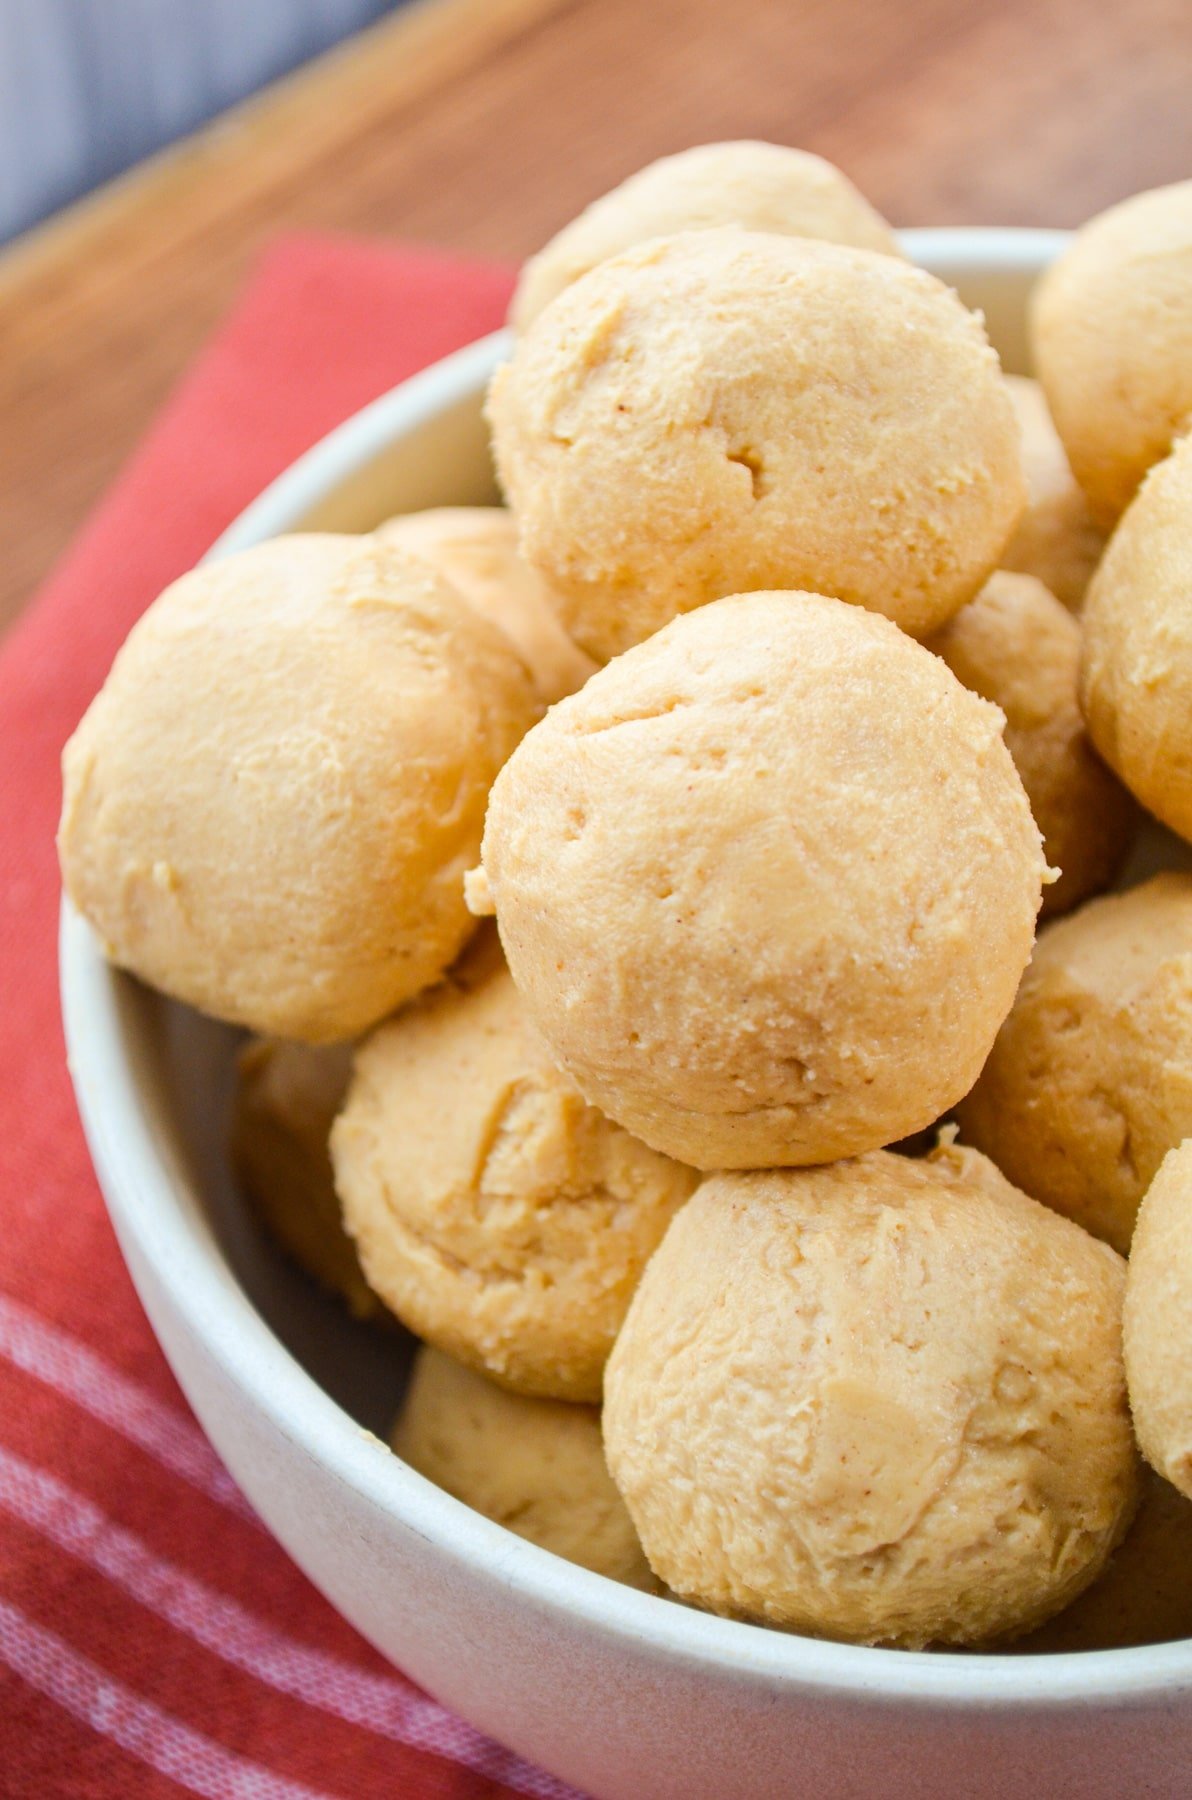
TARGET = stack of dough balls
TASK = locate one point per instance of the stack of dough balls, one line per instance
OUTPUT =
(611, 879)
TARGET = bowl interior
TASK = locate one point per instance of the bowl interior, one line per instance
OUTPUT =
(423, 445)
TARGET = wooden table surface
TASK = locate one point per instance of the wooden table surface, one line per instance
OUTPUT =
(484, 124)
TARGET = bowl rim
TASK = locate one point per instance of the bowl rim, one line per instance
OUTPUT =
(138, 1181)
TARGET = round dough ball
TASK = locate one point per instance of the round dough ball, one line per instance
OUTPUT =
(881, 1401)
(475, 547)
(1111, 333)
(768, 884)
(535, 1466)
(761, 187)
(269, 807)
(1145, 1594)
(1136, 678)
(287, 1096)
(1057, 539)
(1090, 1081)
(1017, 646)
(500, 1217)
(1158, 1320)
(729, 410)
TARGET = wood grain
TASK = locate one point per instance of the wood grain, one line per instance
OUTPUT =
(484, 124)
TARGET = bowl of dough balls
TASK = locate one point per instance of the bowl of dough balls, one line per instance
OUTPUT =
(627, 961)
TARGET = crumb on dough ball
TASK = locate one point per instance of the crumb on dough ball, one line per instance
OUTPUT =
(1136, 678)
(287, 1096)
(475, 547)
(1058, 540)
(534, 1466)
(730, 410)
(1158, 1320)
(269, 807)
(1017, 646)
(1090, 1081)
(881, 1401)
(767, 884)
(1144, 1595)
(1111, 331)
(761, 187)
(497, 1214)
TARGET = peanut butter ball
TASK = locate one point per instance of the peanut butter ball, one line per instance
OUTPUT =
(1136, 679)
(269, 807)
(535, 1466)
(1145, 1594)
(1017, 646)
(1158, 1320)
(1089, 1084)
(498, 1215)
(881, 1401)
(287, 1096)
(767, 884)
(475, 547)
(762, 187)
(730, 410)
(1111, 332)
(1057, 539)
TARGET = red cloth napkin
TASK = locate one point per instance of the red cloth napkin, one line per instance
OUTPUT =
(153, 1639)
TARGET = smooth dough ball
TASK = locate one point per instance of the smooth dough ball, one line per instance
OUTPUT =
(1136, 678)
(287, 1096)
(269, 807)
(534, 1466)
(729, 410)
(880, 1401)
(1145, 1593)
(768, 884)
(475, 547)
(497, 1214)
(1158, 1320)
(761, 187)
(1017, 646)
(1111, 333)
(1057, 538)
(1090, 1081)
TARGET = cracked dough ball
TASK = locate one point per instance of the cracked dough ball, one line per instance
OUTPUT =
(535, 1466)
(1017, 646)
(269, 807)
(1136, 680)
(767, 885)
(287, 1096)
(761, 187)
(1058, 540)
(1145, 1593)
(475, 547)
(1090, 1081)
(729, 410)
(1111, 333)
(500, 1217)
(1159, 1320)
(881, 1401)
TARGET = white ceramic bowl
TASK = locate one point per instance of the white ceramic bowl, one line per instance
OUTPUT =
(620, 1693)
